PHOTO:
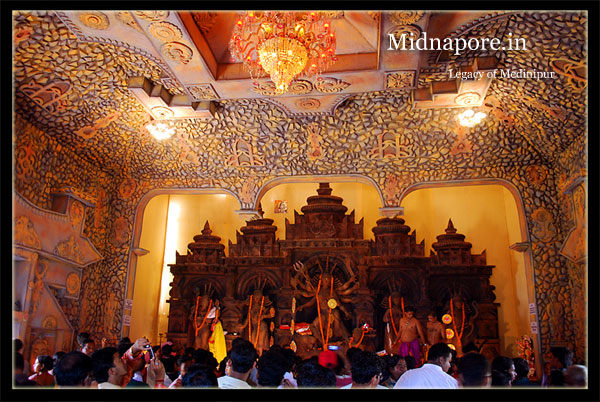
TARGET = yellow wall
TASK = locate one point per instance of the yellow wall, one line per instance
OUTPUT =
(487, 216)
(144, 318)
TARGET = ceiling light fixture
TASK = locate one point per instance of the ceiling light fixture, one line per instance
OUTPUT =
(469, 118)
(161, 130)
(283, 45)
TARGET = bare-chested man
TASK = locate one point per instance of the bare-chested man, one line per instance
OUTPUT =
(410, 327)
(435, 330)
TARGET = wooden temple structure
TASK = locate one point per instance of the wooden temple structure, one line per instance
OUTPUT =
(324, 238)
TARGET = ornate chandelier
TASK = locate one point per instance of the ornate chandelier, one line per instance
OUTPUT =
(283, 45)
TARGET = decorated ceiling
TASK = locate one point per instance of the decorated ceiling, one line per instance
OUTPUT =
(84, 77)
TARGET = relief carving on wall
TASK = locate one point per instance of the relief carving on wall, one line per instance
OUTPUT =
(390, 145)
(127, 188)
(330, 85)
(536, 174)
(314, 140)
(399, 79)
(405, 17)
(392, 188)
(575, 71)
(37, 284)
(126, 18)
(243, 155)
(461, 144)
(76, 211)
(49, 322)
(177, 51)
(543, 228)
(68, 249)
(165, 31)
(52, 97)
(24, 160)
(575, 245)
(152, 15)
(120, 231)
(21, 33)
(95, 19)
(248, 189)
(88, 132)
(25, 233)
(72, 284)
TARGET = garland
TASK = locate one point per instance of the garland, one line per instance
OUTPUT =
(196, 315)
(462, 325)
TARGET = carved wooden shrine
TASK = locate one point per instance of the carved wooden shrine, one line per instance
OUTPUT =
(324, 239)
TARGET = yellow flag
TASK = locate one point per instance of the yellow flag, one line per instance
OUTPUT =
(216, 343)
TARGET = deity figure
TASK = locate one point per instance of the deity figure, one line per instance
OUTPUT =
(328, 295)
(392, 318)
(260, 308)
(202, 315)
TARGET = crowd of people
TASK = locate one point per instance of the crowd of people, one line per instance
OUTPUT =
(138, 364)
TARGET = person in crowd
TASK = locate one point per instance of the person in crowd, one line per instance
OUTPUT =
(109, 369)
(137, 378)
(522, 371)
(123, 346)
(474, 370)
(242, 360)
(367, 369)
(86, 343)
(453, 370)
(557, 378)
(506, 366)
(74, 369)
(411, 363)
(88, 346)
(470, 347)
(189, 351)
(576, 376)
(18, 345)
(342, 373)
(288, 378)
(500, 379)
(169, 360)
(55, 358)
(199, 376)
(183, 364)
(562, 358)
(222, 364)
(410, 332)
(395, 367)
(433, 374)
(328, 359)
(42, 365)
(311, 374)
(271, 368)
(21, 378)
